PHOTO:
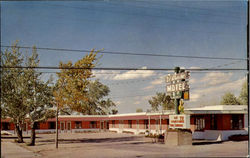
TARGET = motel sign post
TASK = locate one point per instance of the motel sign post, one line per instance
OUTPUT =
(178, 89)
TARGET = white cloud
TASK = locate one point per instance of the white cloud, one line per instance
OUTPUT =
(194, 67)
(148, 87)
(215, 78)
(117, 75)
(158, 81)
(213, 93)
(194, 97)
(105, 74)
(134, 74)
(192, 81)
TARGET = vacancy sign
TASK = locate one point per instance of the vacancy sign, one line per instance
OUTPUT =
(179, 121)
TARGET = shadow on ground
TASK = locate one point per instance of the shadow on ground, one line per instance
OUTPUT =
(14, 137)
(92, 140)
(206, 142)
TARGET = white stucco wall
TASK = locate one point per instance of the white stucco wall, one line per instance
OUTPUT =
(221, 134)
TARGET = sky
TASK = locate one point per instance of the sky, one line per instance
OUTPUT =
(182, 28)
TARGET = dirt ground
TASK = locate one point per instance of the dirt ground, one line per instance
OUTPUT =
(107, 144)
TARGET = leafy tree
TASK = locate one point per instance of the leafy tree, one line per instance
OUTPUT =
(139, 110)
(40, 95)
(244, 94)
(23, 93)
(20, 98)
(75, 92)
(71, 87)
(163, 100)
(113, 111)
(96, 104)
(229, 99)
(13, 89)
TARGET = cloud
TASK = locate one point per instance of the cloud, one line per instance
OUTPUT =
(118, 75)
(148, 87)
(134, 74)
(214, 92)
(105, 74)
(194, 97)
(215, 78)
(158, 81)
(194, 67)
(192, 81)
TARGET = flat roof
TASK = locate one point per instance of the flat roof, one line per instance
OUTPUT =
(216, 109)
(213, 109)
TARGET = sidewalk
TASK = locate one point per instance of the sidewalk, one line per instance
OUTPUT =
(12, 150)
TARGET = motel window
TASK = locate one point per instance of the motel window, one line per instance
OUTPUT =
(92, 124)
(200, 123)
(113, 123)
(5, 126)
(213, 122)
(146, 124)
(52, 125)
(78, 124)
(236, 122)
(129, 123)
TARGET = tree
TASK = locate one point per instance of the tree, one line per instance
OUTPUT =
(13, 88)
(74, 90)
(229, 99)
(71, 86)
(96, 104)
(113, 111)
(163, 100)
(40, 100)
(244, 94)
(23, 93)
(139, 110)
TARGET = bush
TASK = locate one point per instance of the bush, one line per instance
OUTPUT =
(181, 130)
(238, 137)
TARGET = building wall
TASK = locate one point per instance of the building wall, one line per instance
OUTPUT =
(138, 126)
(192, 123)
(245, 121)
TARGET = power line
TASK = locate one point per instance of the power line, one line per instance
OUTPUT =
(128, 53)
(113, 68)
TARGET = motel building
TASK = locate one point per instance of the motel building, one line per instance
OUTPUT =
(208, 122)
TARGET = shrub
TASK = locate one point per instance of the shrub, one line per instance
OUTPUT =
(238, 137)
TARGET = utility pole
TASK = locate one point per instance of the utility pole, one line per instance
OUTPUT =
(57, 126)
(177, 101)
(248, 62)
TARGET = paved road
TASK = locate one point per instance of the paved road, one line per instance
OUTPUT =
(12, 150)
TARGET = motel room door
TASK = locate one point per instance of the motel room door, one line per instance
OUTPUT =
(137, 126)
(102, 125)
(62, 127)
(121, 125)
(68, 126)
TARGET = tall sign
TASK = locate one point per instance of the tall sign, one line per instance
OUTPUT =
(177, 85)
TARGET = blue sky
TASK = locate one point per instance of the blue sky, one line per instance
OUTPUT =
(193, 28)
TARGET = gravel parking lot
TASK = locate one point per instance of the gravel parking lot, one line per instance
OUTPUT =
(107, 144)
